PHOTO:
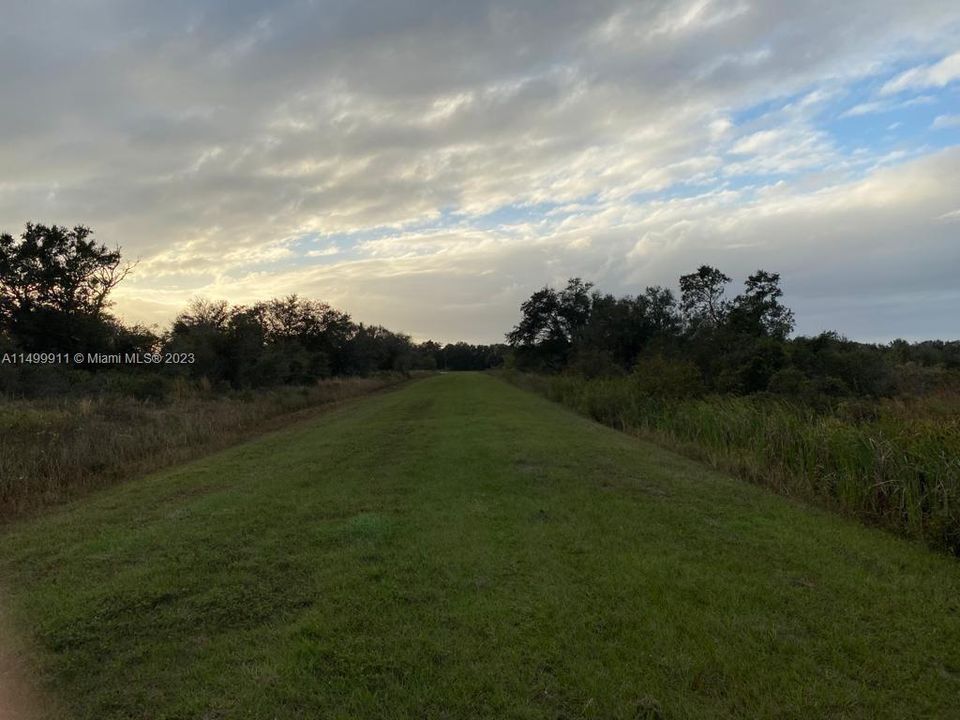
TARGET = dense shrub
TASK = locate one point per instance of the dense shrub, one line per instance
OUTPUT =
(660, 377)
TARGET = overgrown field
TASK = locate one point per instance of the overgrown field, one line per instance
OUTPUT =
(889, 462)
(459, 548)
(51, 449)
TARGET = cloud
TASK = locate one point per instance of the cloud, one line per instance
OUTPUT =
(885, 106)
(405, 158)
(841, 249)
(945, 121)
(327, 251)
(786, 149)
(937, 75)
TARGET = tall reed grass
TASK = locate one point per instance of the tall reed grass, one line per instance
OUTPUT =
(894, 463)
(51, 450)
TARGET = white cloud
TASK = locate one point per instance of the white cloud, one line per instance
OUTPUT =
(937, 75)
(760, 142)
(785, 149)
(883, 106)
(946, 121)
(848, 243)
(328, 251)
(866, 108)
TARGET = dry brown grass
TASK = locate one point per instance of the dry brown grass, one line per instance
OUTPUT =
(52, 450)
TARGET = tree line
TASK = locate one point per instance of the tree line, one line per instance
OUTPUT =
(704, 341)
(55, 285)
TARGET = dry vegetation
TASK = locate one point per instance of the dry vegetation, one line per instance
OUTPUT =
(52, 449)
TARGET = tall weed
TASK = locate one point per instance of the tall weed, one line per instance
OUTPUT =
(52, 449)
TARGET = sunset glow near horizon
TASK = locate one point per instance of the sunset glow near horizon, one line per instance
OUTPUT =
(427, 165)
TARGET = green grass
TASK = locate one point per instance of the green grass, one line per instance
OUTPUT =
(894, 463)
(462, 549)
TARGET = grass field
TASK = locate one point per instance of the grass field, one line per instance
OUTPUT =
(891, 462)
(459, 548)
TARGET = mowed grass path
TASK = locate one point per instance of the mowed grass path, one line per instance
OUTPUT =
(461, 549)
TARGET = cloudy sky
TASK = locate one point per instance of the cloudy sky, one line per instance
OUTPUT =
(426, 164)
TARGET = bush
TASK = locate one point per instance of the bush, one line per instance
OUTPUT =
(663, 378)
(790, 382)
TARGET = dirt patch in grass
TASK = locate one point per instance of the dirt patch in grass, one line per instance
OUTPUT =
(19, 698)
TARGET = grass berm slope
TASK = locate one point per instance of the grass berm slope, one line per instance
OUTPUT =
(462, 549)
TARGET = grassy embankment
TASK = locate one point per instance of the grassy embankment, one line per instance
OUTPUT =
(460, 548)
(57, 448)
(894, 463)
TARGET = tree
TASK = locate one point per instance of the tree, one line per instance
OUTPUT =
(315, 327)
(54, 287)
(550, 321)
(202, 330)
(661, 306)
(758, 311)
(701, 298)
(617, 331)
(539, 321)
(203, 313)
(464, 356)
(428, 355)
(575, 306)
(57, 268)
(373, 348)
